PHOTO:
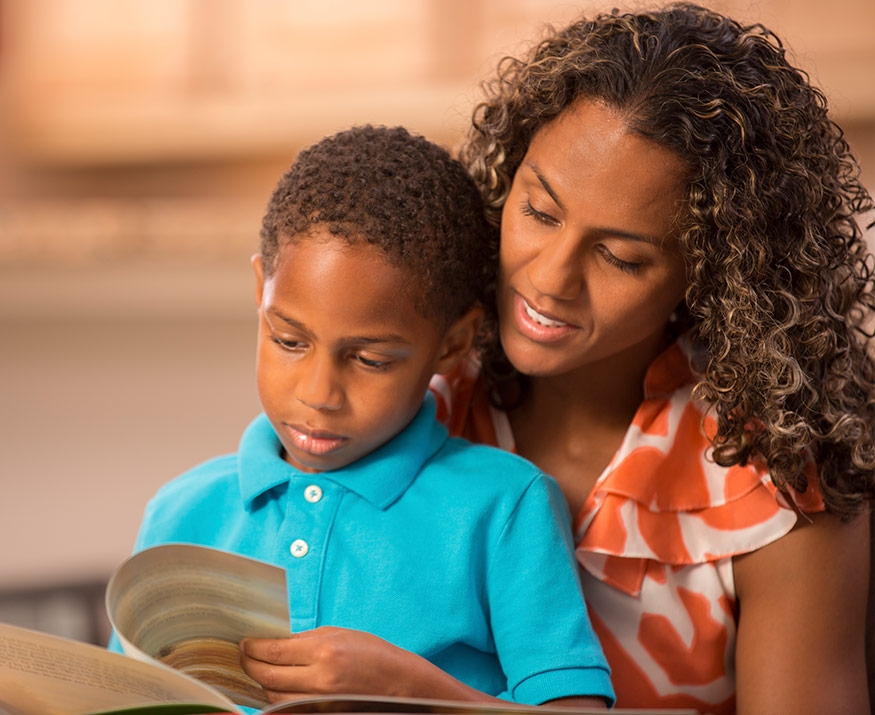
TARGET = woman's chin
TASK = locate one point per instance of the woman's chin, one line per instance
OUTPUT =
(532, 359)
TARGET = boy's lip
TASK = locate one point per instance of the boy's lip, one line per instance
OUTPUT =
(314, 441)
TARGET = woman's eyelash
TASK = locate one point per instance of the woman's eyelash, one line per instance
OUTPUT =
(625, 266)
(540, 216)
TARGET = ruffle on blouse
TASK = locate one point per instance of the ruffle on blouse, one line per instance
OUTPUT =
(661, 502)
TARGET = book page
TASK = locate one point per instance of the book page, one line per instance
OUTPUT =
(41, 674)
(191, 605)
(384, 705)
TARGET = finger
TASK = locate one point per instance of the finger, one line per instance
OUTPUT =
(279, 696)
(287, 680)
(277, 651)
(294, 649)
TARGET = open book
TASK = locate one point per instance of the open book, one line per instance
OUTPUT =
(42, 674)
(180, 611)
(189, 606)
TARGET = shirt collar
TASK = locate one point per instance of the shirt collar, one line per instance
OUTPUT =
(380, 477)
(676, 366)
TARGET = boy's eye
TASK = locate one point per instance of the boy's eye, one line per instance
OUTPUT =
(373, 363)
(287, 344)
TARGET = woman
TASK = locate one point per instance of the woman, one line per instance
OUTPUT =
(682, 308)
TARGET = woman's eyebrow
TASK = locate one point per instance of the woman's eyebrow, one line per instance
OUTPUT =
(546, 184)
(618, 232)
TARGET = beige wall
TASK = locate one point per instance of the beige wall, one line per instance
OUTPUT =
(141, 139)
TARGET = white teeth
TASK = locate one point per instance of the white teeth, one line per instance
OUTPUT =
(540, 319)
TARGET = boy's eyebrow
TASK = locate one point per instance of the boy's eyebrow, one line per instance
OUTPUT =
(351, 339)
(619, 233)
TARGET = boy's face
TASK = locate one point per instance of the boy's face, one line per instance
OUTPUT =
(343, 359)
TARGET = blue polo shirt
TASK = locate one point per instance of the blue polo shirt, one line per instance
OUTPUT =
(461, 553)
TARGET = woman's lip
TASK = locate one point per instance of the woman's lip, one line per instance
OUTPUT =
(542, 318)
(314, 441)
(536, 325)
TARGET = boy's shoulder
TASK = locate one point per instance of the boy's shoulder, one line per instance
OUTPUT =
(191, 507)
(492, 481)
(466, 458)
(462, 448)
(213, 474)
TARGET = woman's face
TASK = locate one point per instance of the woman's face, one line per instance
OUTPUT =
(590, 264)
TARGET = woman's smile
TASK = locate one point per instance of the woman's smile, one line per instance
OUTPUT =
(537, 325)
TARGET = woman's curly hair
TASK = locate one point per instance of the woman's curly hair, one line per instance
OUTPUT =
(780, 279)
(399, 192)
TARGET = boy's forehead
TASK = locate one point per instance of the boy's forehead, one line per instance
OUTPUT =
(323, 239)
(409, 284)
(327, 241)
(346, 238)
(355, 274)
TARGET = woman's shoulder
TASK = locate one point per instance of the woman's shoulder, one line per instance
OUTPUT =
(678, 506)
(463, 405)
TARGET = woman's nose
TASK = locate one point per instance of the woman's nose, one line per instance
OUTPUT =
(557, 268)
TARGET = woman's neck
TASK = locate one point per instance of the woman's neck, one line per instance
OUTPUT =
(571, 425)
(586, 401)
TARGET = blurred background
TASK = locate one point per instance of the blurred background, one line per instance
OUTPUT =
(140, 140)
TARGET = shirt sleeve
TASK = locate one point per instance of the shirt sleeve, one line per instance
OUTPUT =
(543, 636)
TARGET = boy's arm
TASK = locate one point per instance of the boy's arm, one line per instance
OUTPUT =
(542, 633)
(331, 660)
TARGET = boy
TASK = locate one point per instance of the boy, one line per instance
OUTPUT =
(373, 259)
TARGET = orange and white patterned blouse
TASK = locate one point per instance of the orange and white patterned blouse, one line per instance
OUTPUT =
(656, 537)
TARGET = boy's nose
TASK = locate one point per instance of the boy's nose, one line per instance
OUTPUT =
(319, 387)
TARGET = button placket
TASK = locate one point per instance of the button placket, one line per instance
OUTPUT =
(311, 511)
(300, 547)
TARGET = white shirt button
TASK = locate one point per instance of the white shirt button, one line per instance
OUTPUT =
(313, 493)
(299, 548)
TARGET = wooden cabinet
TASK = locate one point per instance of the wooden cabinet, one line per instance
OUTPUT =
(152, 81)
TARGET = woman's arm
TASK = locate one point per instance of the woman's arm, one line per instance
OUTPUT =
(802, 616)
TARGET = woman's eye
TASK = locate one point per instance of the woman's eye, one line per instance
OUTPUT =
(625, 266)
(539, 216)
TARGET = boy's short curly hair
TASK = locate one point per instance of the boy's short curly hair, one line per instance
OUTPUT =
(399, 192)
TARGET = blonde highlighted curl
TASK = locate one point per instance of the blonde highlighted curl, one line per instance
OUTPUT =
(780, 279)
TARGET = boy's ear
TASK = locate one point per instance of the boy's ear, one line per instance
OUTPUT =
(459, 339)
(259, 277)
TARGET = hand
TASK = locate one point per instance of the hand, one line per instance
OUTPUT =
(331, 660)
